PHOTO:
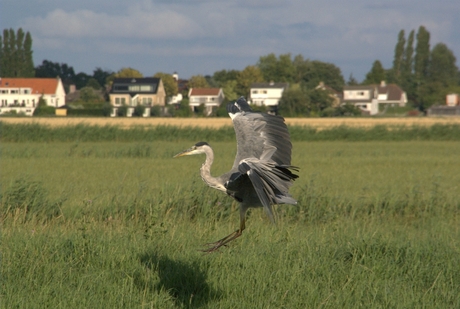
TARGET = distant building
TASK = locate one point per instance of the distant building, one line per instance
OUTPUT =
(452, 107)
(132, 92)
(368, 97)
(453, 99)
(334, 94)
(21, 95)
(267, 94)
(211, 98)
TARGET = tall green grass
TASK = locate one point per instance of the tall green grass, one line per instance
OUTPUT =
(119, 225)
(34, 132)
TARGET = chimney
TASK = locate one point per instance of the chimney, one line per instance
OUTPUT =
(383, 83)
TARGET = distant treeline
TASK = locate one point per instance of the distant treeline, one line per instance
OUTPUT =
(86, 133)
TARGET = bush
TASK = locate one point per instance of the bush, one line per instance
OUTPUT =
(139, 110)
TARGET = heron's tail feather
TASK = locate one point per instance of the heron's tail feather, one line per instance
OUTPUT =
(271, 182)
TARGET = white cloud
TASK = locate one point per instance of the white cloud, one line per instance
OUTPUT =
(136, 24)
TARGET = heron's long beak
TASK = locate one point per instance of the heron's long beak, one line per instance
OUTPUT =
(184, 153)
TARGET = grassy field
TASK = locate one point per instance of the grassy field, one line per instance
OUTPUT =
(120, 225)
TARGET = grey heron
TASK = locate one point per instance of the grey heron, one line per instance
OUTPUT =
(261, 173)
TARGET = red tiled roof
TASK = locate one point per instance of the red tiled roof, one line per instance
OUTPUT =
(38, 85)
(205, 91)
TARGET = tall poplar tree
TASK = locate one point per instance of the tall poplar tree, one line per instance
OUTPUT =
(407, 67)
(399, 56)
(16, 54)
(28, 66)
(6, 54)
(421, 62)
(19, 49)
(13, 60)
(422, 53)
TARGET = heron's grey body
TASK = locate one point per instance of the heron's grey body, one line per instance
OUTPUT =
(260, 175)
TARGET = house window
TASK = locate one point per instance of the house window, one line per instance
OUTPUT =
(265, 92)
(120, 88)
(123, 100)
(255, 92)
(117, 101)
(149, 101)
(146, 88)
(4, 91)
(14, 91)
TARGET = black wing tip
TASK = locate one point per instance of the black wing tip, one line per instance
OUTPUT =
(240, 105)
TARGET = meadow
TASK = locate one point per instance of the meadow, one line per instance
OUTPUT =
(111, 220)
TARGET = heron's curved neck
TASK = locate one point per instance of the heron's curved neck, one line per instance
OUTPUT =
(205, 171)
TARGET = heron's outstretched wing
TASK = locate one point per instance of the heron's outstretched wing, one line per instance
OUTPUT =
(263, 155)
(260, 136)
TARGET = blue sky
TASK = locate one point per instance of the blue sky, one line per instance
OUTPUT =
(200, 37)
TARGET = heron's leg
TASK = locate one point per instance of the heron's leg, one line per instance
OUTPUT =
(224, 241)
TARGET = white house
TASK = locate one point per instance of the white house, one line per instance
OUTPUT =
(211, 98)
(267, 94)
(21, 95)
(368, 97)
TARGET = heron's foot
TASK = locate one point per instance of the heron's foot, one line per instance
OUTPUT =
(213, 246)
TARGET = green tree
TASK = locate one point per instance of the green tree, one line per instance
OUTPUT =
(301, 68)
(28, 66)
(319, 100)
(399, 56)
(224, 76)
(280, 69)
(13, 60)
(55, 69)
(87, 94)
(229, 88)
(124, 73)
(250, 74)
(16, 54)
(421, 63)
(407, 76)
(198, 81)
(422, 54)
(352, 81)
(93, 83)
(376, 74)
(6, 55)
(328, 73)
(101, 76)
(268, 66)
(294, 103)
(19, 53)
(80, 80)
(443, 68)
(169, 83)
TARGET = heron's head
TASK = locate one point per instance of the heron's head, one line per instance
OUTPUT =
(198, 148)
